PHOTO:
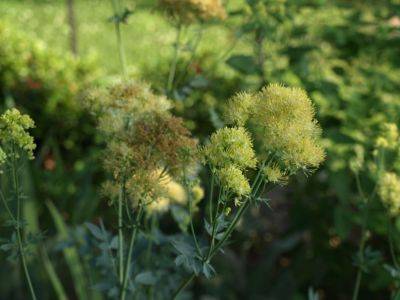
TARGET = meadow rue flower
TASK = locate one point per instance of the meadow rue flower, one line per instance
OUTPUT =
(232, 179)
(3, 157)
(389, 191)
(141, 138)
(230, 146)
(283, 123)
(239, 108)
(274, 174)
(188, 11)
(13, 131)
(357, 162)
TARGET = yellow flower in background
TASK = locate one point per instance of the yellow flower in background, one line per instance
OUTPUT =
(158, 206)
(188, 11)
(173, 190)
(13, 131)
(198, 193)
(389, 191)
(389, 137)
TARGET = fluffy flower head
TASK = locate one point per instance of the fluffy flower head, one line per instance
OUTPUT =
(13, 130)
(274, 174)
(389, 191)
(239, 108)
(141, 135)
(389, 137)
(283, 123)
(233, 180)
(230, 146)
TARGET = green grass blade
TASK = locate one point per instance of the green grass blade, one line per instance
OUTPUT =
(70, 254)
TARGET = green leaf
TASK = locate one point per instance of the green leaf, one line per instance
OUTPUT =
(181, 217)
(184, 248)
(96, 231)
(208, 270)
(244, 64)
(146, 278)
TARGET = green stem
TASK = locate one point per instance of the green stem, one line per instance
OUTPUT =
(117, 22)
(214, 249)
(3, 199)
(193, 54)
(121, 234)
(129, 258)
(183, 286)
(192, 226)
(214, 226)
(18, 225)
(391, 246)
(363, 239)
(210, 200)
(172, 69)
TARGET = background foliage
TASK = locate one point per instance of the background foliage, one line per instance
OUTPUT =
(345, 54)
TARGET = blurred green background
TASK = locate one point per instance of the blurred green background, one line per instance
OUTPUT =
(345, 54)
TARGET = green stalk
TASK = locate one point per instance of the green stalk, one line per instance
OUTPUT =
(183, 286)
(10, 214)
(213, 250)
(121, 234)
(17, 226)
(129, 258)
(210, 200)
(117, 22)
(363, 239)
(172, 69)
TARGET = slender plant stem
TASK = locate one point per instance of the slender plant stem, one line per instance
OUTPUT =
(192, 226)
(193, 54)
(391, 246)
(363, 238)
(172, 69)
(129, 258)
(117, 22)
(18, 225)
(3, 199)
(214, 226)
(210, 200)
(121, 198)
(214, 249)
(183, 286)
(153, 222)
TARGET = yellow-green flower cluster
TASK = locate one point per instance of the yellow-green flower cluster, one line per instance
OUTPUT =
(274, 174)
(13, 131)
(283, 122)
(141, 137)
(239, 108)
(389, 192)
(232, 179)
(389, 137)
(357, 162)
(231, 146)
(230, 152)
(188, 11)
(3, 157)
